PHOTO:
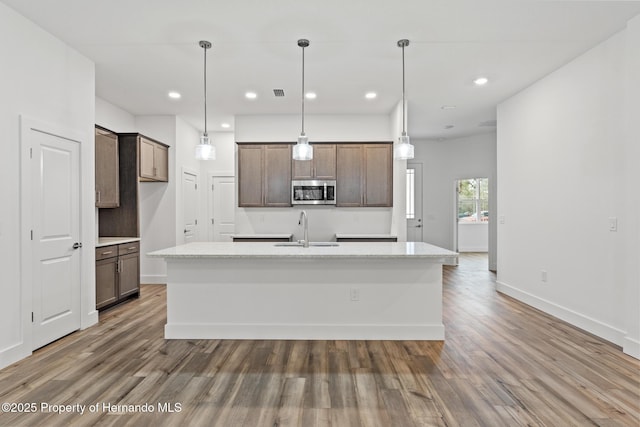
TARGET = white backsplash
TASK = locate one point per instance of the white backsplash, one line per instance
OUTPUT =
(324, 221)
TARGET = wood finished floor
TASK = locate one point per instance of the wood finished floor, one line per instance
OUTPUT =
(502, 364)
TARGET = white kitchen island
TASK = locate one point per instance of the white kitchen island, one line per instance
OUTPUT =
(354, 291)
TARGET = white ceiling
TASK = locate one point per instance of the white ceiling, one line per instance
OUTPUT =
(144, 48)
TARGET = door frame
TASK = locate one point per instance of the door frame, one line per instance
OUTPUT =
(88, 312)
(210, 207)
(180, 231)
(417, 165)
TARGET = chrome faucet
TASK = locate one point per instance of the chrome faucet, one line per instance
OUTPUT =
(305, 225)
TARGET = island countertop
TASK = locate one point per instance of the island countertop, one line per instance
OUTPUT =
(206, 250)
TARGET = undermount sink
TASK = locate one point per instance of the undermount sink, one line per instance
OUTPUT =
(300, 244)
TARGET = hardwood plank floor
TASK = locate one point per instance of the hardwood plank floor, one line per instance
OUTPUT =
(502, 364)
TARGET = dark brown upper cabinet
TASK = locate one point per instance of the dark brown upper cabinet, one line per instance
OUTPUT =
(322, 166)
(107, 169)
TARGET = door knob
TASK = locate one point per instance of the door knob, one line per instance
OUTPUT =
(419, 225)
(185, 231)
(77, 245)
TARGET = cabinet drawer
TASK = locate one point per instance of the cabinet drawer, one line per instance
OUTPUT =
(128, 248)
(105, 252)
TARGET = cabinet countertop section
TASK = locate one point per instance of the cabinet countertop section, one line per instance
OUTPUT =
(262, 236)
(365, 236)
(106, 241)
(212, 250)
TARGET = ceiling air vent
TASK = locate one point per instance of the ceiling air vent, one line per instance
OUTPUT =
(278, 92)
(487, 123)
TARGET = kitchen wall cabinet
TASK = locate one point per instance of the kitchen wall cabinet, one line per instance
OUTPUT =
(153, 159)
(349, 175)
(139, 157)
(106, 168)
(117, 273)
(123, 221)
(364, 175)
(322, 166)
(264, 175)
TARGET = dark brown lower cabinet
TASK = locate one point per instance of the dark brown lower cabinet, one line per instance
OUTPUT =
(117, 273)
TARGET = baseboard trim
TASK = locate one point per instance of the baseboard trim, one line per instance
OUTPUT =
(593, 326)
(154, 279)
(13, 354)
(304, 332)
(631, 347)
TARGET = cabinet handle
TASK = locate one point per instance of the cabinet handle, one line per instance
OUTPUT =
(107, 253)
(118, 266)
(98, 196)
(154, 171)
(121, 265)
(131, 248)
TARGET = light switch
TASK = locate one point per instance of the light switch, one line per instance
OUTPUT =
(613, 223)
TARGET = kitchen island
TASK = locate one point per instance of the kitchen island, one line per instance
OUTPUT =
(352, 291)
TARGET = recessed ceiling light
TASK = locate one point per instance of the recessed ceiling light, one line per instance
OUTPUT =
(174, 95)
(371, 95)
(225, 125)
(251, 95)
(448, 107)
(481, 81)
(311, 95)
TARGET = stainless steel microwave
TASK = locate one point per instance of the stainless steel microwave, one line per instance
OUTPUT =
(313, 192)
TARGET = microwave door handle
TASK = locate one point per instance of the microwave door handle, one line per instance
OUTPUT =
(325, 191)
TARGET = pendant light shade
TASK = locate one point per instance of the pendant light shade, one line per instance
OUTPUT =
(403, 149)
(205, 150)
(302, 150)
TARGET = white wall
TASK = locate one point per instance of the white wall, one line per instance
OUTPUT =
(45, 80)
(562, 173)
(631, 249)
(324, 221)
(445, 162)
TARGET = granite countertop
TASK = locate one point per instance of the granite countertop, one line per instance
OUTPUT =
(263, 236)
(107, 241)
(365, 236)
(204, 250)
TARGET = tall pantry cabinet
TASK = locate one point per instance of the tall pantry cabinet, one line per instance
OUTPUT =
(139, 159)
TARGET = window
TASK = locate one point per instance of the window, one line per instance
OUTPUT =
(411, 196)
(473, 200)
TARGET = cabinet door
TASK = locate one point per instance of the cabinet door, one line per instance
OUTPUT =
(277, 175)
(349, 175)
(323, 165)
(129, 276)
(161, 162)
(106, 282)
(106, 164)
(302, 169)
(250, 172)
(324, 161)
(378, 176)
(146, 158)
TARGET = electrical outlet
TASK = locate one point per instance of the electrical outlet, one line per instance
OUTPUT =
(613, 223)
(543, 276)
(354, 294)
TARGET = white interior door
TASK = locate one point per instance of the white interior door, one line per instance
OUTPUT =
(223, 208)
(55, 192)
(414, 202)
(190, 205)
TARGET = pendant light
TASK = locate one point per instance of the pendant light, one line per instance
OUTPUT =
(302, 150)
(403, 149)
(205, 150)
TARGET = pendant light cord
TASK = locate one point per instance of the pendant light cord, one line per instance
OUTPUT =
(404, 132)
(302, 90)
(205, 90)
